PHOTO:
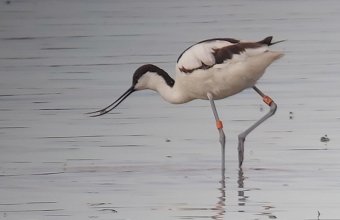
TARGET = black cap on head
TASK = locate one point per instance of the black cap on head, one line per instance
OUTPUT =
(154, 69)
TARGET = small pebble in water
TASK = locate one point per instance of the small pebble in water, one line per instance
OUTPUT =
(325, 138)
(291, 115)
(167, 140)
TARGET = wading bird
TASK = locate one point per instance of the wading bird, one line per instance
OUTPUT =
(211, 69)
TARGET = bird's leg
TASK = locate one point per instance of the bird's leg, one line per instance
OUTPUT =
(219, 126)
(243, 135)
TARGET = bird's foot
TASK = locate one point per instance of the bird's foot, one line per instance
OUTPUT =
(241, 140)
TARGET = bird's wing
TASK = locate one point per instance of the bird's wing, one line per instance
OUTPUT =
(208, 53)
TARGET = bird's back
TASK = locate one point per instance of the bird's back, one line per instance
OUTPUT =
(223, 66)
(208, 53)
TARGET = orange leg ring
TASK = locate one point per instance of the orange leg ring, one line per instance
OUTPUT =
(267, 100)
(219, 124)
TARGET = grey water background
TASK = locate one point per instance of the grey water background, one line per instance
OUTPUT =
(150, 159)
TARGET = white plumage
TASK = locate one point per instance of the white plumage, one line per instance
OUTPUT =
(200, 53)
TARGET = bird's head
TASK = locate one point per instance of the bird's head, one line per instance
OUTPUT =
(147, 76)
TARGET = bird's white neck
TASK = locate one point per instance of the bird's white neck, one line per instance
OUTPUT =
(170, 94)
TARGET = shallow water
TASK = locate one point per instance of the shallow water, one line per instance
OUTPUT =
(150, 159)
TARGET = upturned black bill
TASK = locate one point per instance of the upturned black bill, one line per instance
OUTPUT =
(113, 105)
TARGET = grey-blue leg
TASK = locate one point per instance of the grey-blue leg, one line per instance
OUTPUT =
(219, 126)
(243, 135)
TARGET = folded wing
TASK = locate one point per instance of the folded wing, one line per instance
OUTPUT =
(206, 54)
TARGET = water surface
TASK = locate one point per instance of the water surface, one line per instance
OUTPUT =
(150, 159)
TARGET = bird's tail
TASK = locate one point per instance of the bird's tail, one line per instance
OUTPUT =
(268, 41)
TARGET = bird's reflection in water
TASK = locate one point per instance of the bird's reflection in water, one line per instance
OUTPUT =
(241, 196)
(219, 208)
(220, 205)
